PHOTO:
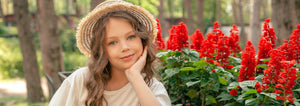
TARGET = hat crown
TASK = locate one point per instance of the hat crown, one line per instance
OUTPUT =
(84, 30)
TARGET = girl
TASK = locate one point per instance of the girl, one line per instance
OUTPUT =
(118, 38)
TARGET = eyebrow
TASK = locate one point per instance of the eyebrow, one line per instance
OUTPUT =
(125, 34)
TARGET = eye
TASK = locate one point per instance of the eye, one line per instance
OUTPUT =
(131, 37)
(112, 43)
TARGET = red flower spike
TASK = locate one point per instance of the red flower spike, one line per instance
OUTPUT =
(207, 49)
(286, 82)
(213, 71)
(234, 40)
(197, 39)
(294, 45)
(266, 42)
(178, 37)
(223, 51)
(259, 90)
(257, 85)
(247, 69)
(159, 40)
(233, 92)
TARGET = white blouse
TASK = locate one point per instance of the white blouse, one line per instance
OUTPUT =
(73, 92)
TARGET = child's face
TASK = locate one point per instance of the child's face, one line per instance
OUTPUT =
(122, 46)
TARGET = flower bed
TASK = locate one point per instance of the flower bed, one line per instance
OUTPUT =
(215, 71)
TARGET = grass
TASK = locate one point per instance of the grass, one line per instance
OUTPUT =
(19, 101)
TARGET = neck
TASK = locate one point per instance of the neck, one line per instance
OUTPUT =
(118, 79)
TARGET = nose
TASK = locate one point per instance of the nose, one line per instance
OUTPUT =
(124, 46)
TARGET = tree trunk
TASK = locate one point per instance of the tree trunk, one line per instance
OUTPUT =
(170, 5)
(255, 22)
(264, 7)
(30, 65)
(243, 35)
(219, 12)
(200, 20)
(235, 12)
(77, 10)
(1, 13)
(293, 14)
(94, 3)
(162, 20)
(50, 43)
(189, 18)
(281, 20)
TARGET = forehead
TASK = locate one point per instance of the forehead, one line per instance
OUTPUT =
(117, 26)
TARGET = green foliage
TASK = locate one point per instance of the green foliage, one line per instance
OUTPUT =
(190, 80)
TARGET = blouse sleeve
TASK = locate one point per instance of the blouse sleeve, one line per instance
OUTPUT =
(64, 96)
(160, 93)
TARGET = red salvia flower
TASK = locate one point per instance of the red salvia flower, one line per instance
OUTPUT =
(271, 75)
(223, 51)
(287, 81)
(234, 40)
(266, 42)
(159, 40)
(269, 33)
(247, 69)
(178, 37)
(294, 45)
(257, 85)
(172, 40)
(197, 39)
(207, 49)
(233, 92)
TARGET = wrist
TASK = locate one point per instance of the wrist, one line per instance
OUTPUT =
(133, 75)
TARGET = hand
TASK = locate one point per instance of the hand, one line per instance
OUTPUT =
(137, 67)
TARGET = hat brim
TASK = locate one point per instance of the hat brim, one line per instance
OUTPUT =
(86, 25)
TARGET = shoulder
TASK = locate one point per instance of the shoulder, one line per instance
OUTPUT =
(78, 77)
(79, 73)
(156, 85)
(160, 92)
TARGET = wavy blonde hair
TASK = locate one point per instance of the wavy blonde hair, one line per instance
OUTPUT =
(98, 64)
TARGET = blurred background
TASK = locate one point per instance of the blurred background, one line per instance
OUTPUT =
(37, 37)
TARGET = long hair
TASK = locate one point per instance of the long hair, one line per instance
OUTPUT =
(98, 64)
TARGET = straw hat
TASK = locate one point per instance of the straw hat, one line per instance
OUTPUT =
(86, 25)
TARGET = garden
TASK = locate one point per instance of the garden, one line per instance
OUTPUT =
(215, 71)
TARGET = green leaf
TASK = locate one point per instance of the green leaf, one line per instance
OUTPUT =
(171, 72)
(210, 100)
(251, 101)
(251, 91)
(233, 85)
(161, 54)
(192, 93)
(187, 69)
(222, 81)
(272, 95)
(264, 60)
(264, 66)
(188, 84)
(226, 72)
(231, 104)
(238, 60)
(244, 85)
(224, 96)
(297, 90)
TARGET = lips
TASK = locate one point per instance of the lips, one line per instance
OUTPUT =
(127, 58)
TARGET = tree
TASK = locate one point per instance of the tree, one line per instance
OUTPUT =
(255, 22)
(1, 12)
(49, 41)
(161, 18)
(282, 18)
(189, 18)
(200, 20)
(219, 12)
(94, 3)
(30, 65)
